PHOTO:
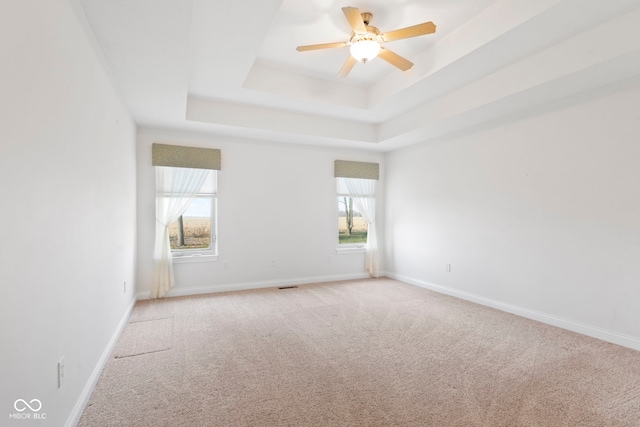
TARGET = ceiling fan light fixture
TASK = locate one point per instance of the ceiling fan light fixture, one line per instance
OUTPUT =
(366, 41)
(365, 47)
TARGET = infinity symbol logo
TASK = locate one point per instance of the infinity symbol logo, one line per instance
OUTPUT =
(26, 405)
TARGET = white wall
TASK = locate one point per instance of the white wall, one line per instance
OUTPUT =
(67, 191)
(540, 216)
(274, 201)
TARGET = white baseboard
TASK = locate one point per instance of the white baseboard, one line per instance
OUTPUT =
(179, 292)
(82, 401)
(581, 328)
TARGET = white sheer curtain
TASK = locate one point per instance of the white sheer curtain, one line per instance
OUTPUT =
(363, 191)
(175, 189)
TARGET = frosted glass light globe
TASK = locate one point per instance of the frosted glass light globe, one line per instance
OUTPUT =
(364, 49)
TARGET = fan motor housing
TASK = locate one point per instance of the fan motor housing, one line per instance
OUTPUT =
(373, 30)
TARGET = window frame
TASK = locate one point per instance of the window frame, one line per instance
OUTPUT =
(349, 247)
(190, 255)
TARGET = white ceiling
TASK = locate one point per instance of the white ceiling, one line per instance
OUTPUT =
(231, 68)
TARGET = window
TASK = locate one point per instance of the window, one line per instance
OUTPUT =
(356, 188)
(194, 232)
(186, 185)
(352, 226)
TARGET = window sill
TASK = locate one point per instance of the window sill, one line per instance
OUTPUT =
(351, 250)
(190, 258)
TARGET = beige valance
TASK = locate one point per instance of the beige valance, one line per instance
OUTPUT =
(178, 156)
(362, 170)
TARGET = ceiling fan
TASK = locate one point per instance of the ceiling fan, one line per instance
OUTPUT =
(366, 41)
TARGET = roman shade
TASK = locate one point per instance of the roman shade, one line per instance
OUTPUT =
(178, 156)
(360, 170)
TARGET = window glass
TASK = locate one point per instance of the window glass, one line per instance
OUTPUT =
(193, 229)
(352, 227)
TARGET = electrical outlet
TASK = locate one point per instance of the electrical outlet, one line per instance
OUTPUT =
(226, 265)
(61, 372)
(330, 260)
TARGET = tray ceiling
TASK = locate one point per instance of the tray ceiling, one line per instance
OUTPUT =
(231, 68)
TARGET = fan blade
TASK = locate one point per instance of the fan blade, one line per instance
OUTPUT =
(414, 31)
(395, 59)
(346, 68)
(355, 19)
(321, 46)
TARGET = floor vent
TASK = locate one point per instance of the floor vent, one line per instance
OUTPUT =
(287, 287)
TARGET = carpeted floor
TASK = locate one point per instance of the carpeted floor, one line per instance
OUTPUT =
(360, 353)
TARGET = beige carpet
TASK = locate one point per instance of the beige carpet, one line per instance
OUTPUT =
(359, 353)
(143, 337)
